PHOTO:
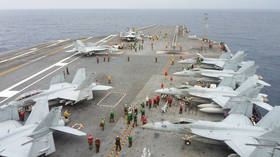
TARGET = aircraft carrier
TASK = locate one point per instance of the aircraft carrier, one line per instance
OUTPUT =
(32, 68)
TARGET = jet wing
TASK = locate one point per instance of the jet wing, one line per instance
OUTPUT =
(8, 126)
(215, 62)
(237, 141)
(90, 44)
(15, 146)
(68, 130)
(216, 75)
(65, 94)
(237, 120)
(221, 134)
(43, 145)
(221, 101)
(239, 145)
(263, 105)
(100, 87)
(202, 92)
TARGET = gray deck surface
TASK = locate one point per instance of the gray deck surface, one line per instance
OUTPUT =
(132, 81)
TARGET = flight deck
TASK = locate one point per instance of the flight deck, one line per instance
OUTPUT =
(132, 81)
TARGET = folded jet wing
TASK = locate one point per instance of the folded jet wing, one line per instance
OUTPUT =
(237, 131)
(35, 137)
(231, 63)
(244, 135)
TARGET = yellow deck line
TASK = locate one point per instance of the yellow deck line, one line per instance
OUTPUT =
(10, 70)
(20, 66)
(114, 148)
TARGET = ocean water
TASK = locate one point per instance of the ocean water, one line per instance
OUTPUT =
(255, 31)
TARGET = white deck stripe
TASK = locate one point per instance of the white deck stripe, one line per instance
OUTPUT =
(60, 63)
(8, 93)
(39, 79)
(17, 56)
(68, 46)
(36, 74)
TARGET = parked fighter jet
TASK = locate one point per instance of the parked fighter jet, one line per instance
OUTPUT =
(223, 94)
(237, 131)
(90, 48)
(218, 63)
(80, 89)
(247, 69)
(35, 137)
(130, 35)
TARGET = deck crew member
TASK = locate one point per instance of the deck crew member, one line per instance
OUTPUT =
(181, 109)
(21, 115)
(118, 143)
(135, 120)
(102, 124)
(129, 141)
(97, 144)
(112, 117)
(90, 140)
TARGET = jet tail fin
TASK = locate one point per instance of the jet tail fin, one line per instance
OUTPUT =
(53, 121)
(250, 83)
(271, 119)
(244, 108)
(248, 69)
(39, 111)
(228, 81)
(57, 79)
(200, 55)
(86, 83)
(79, 45)
(227, 55)
(80, 76)
(233, 63)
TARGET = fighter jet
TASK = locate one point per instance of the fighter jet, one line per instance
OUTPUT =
(218, 63)
(247, 69)
(80, 89)
(90, 48)
(236, 131)
(223, 94)
(35, 137)
(130, 35)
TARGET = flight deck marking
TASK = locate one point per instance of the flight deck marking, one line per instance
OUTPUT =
(166, 67)
(38, 73)
(54, 52)
(19, 66)
(26, 53)
(23, 81)
(116, 104)
(8, 93)
(10, 70)
(68, 46)
(60, 63)
(123, 134)
(126, 137)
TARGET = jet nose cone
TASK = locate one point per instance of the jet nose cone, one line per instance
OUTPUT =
(148, 126)
(164, 91)
(187, 61)
(181, 62)
(159, 90)
(180, 73)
